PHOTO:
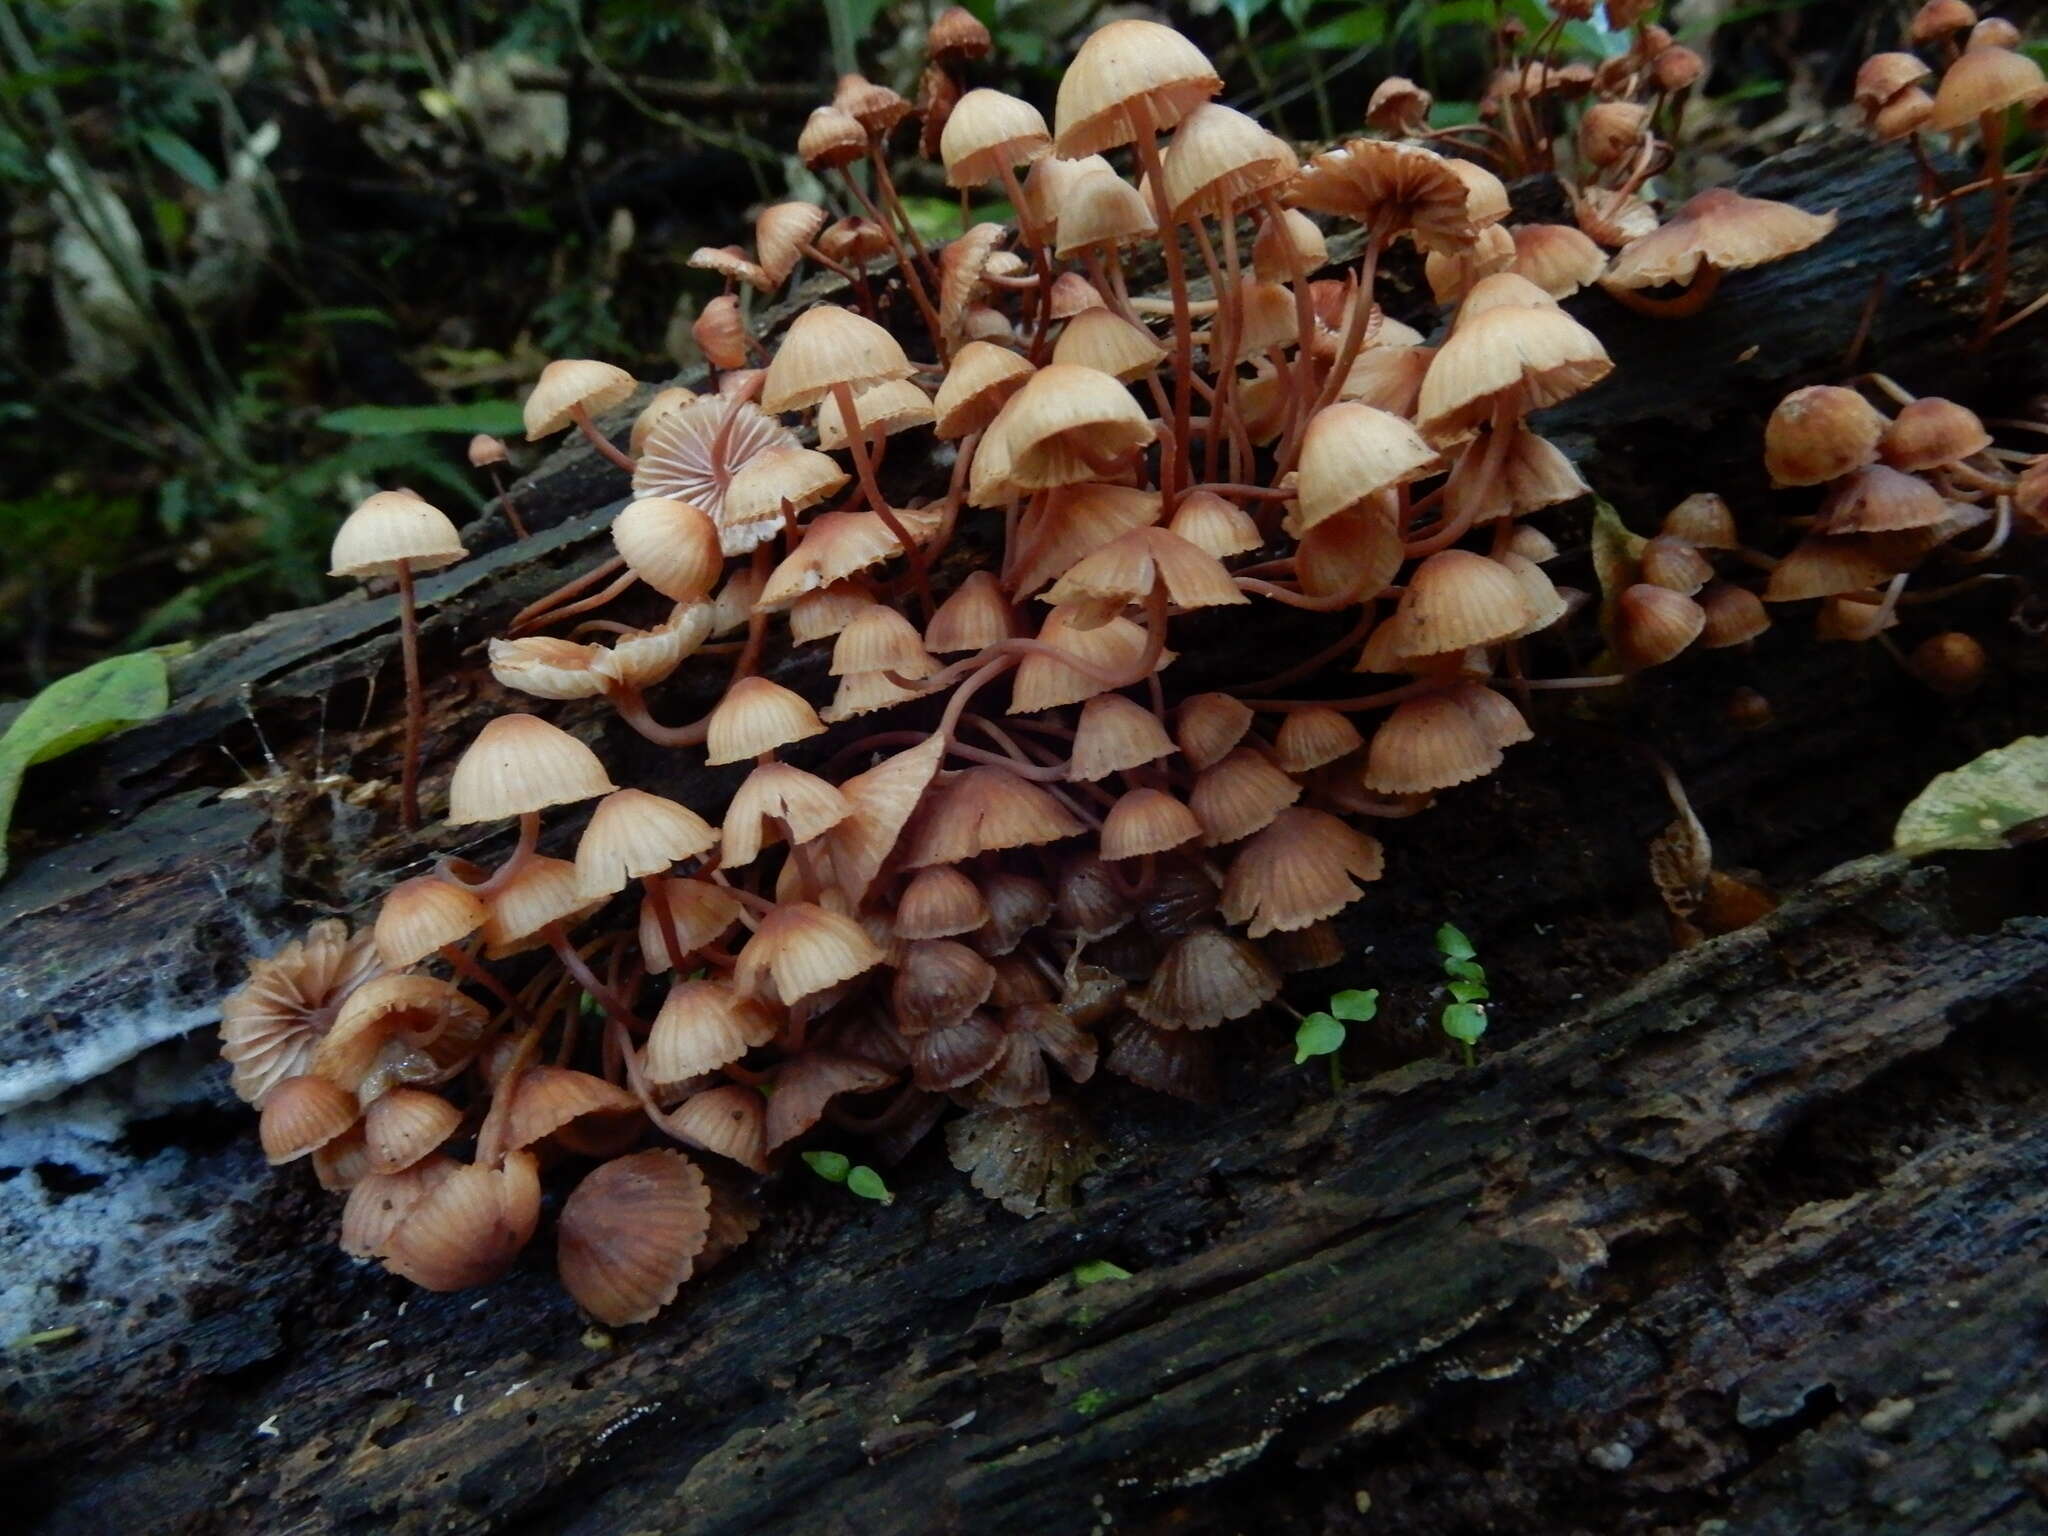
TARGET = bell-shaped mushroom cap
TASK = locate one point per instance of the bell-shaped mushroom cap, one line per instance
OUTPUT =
(1398, 186)
(1823, 565)
(826, 347)
(1456, 599)
(1146, 820)
(1043, 681)
(983, 810)
(421, 915)
(1309, 738)
(836, 545)
(1425, 745)
(1108, 343)
(1208, 725)
(879, 639)
(1556, 258)
(938, 903)
(632, 834)
(1098, 586)
(981, 378)
(956, 35)
(777, 792)
(1288, 246)
(729, 1122)
(757, 716)
(1878, 499)
(1220, 159)
(894, 405)
(1074, 521)
(988, 132)
(1932, 433)
(876, 108)
(831, 138)
(822, 614)
(938, 983)
(1732, 615)
(302, 1114)
(569, 383)
(1064, 424)
(1237, 796)
(1129, 77)
(695, 451)
(734, 265)
(781, 231)
(548, 667)
(1102, 209)
(974, 617)
(549, 1100)
(630, 1234)
(1705, 520)
(883, 798)
(518, 764)
(1352, 452)
(806, 1084)
(469, 1227)
(404, 1126)
(1983, 81)
(1204, 978)
(951, 1054)
(703, 1025)
(1511, 359)
(1217, 527)
(1719, 228)
(543, 891)
(393, 528)
(799, 949)
(1820, 433)
(700, 911)
(380, 1201)
(803, 477)
(1652, 624)
(1115, 735)
(1300, 869)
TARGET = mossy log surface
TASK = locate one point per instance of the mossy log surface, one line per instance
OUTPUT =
(1758, 1240)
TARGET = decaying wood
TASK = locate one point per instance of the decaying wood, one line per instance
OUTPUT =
(1758, 1241)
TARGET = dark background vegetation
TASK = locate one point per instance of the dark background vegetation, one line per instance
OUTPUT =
(261, 259)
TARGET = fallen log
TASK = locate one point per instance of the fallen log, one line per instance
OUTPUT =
(1603, 1281)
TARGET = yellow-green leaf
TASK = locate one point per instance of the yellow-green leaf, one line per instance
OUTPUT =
(1981, 803)
(1616, 552)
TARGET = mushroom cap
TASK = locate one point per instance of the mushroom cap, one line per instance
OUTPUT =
(467, 1228)
(544, 891)
(781, 230)
(693, 452)
(1062, 423)
(1351, 452)
(1368, 180)
(1146, 820)
(831, 137)
(1300, 869)
(420, 915)
(974, 617)
(520, 763)
(634, 834)
(390, 528)
(799, 949)
(1220, 159)
(630, 1233)
(1984, 80)
(569, 382)
(894, 405)
(826, 347)
(803, 477)
(1129, 77)
(1720, 228)
(987, 132)
(778, 797)
(980, 378)
(1556, 257)
(1101, 208)
(673, 546)
(837, 544)
(1820, 433)
(548, 667)
(1511, 358)
(757, 716)
(957, 34)
(1044, 682)
(1108, 343)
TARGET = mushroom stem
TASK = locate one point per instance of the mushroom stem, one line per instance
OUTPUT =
(886, 185)
(665, 918)
(865, 468)
(415, 699)
(604, 445)
(1455, 527)
(632, 707)
(484, 890)
(911, 279)
(542, 607)
(573, 963)
(1173, 466)
(1704, 283)
(1993, 127)
(1309, 666)
(466, 967)
(1040, 258)
(616, 588)
(506, 504)
(1350, 706)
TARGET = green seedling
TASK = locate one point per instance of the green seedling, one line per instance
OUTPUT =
(838, 1168)
(1463, 1018)
(1322, 1034)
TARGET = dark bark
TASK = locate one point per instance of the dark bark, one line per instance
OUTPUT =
(1718, 1222)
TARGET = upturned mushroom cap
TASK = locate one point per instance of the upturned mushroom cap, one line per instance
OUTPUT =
(1129, 77)
(390, 528)
(1719, 228)
(988, 132)
(1983, 81)
(1404, 186)
(567, 384)
(826, 347)
(548, 667)
(520, 763)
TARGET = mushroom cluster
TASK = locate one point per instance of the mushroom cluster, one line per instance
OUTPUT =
(1979, 81)
(1007, 851)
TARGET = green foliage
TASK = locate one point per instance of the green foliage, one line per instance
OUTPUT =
(1989, 802)
(1097, 1271)
(833, 1167)
(500, 418)
(75, 710)
(1323, 1033)
(1463, 1019)
(838, 1168)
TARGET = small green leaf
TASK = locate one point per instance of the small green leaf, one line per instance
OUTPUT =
(182, 158)
(1452, 943)
(101, 699)
(831, 1166)
(497, 417)
(1465, 970)
(1981, 803)
(1356, 1006)
(1616, 553)
(867, 1183)
(1091, 1402)
(1319, 1035)
(1095, 1271)
(1464, 1022)
(1469, 991)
